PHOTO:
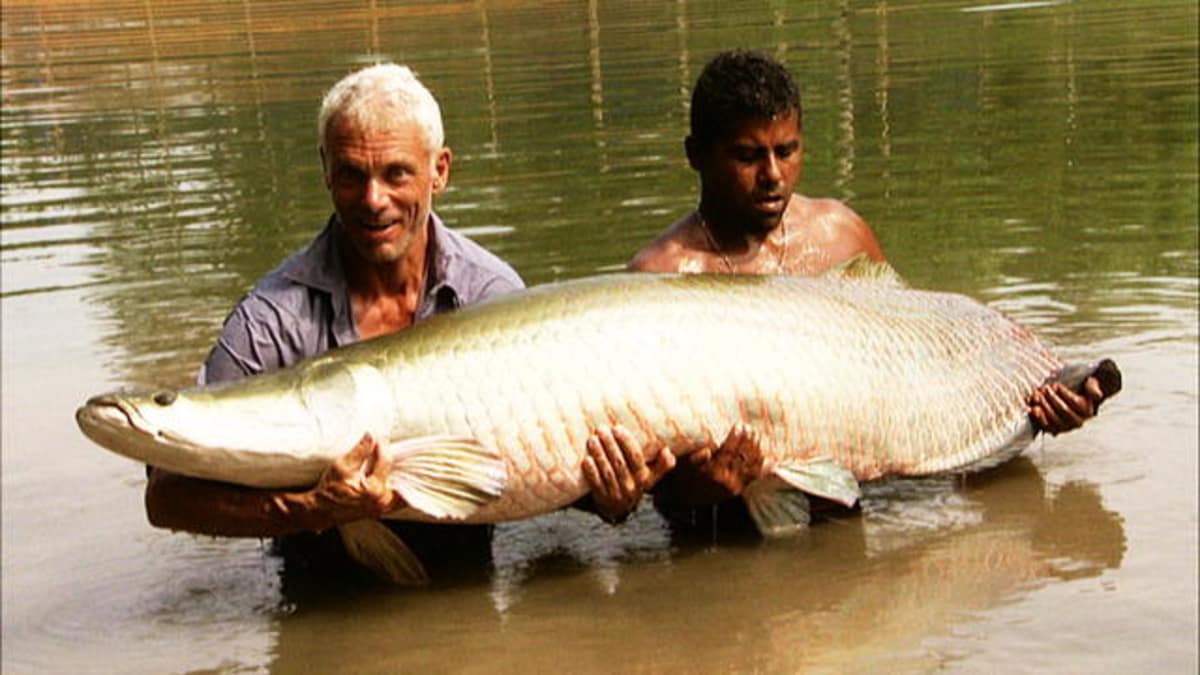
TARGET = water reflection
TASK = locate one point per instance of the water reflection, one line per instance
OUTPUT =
(171, 146)
(858, 592)
(158, 157)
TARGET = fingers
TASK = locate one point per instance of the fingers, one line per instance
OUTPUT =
(1043, 412)
(592, 474)
(631, 457)
(1093, 390)
(377, 483)
(1038, 413)
(724, 472)
(356, 485)
(601, 476)
(741, 450)
(611, 502)
(701, 456)
(743, 440)
(352, 462)
(1056, 409)
(618, 472)
(609, 456)
(736, 437)
(662, 463)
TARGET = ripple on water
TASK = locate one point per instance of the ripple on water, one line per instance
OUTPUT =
(180, 603)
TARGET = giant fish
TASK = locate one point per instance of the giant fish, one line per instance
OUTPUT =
(486, 411)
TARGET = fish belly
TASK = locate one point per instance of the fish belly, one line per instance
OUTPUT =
(884, 380)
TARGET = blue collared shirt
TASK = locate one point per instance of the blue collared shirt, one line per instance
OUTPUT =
(302, 308)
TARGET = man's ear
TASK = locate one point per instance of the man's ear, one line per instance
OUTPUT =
(441, 170)
(691, 148)
(324, 166)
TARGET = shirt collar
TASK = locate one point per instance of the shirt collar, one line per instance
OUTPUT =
(319, 266)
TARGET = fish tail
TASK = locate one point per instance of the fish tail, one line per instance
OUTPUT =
(1105, 371)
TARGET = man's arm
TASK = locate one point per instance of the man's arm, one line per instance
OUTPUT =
(352, 488)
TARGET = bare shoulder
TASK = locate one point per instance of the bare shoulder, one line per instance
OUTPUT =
(830, 214)
(835, 227)
(668, 252)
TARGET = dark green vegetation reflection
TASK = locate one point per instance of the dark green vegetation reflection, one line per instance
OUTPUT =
(167, 150)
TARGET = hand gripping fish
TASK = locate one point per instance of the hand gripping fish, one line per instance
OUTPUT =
(486, 411)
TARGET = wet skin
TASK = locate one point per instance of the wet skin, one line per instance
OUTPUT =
(750, 220)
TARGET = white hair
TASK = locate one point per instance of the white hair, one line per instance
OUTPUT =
(381, 97)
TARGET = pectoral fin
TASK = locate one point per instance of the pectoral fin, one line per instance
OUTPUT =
(777, 510)
(373, 544)
(446, 476)
(778, 504)
(822, 477)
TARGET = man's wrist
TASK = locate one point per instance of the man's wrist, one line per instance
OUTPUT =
(299, 511)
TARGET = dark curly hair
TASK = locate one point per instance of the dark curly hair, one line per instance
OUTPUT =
(738, 85)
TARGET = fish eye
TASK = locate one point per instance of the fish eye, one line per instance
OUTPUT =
(164, 397)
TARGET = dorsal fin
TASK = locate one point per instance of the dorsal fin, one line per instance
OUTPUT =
(862, 268)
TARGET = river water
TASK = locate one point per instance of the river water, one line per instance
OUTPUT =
(158, 157)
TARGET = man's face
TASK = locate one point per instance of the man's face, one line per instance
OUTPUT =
(748, 176)
(382, 185)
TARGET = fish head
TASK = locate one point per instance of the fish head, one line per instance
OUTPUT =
(265, 431)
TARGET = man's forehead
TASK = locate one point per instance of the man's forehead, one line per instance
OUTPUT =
(782, 128)
(350, 139)
(357, 128)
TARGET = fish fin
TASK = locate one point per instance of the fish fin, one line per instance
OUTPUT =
(823, 477)
(446, 476)
(377, 548)
(777, 510)
(862, 267)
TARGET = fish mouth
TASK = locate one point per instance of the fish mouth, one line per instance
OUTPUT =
(103, 411)
(107, 421)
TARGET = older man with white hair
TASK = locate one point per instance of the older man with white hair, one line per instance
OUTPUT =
(383, 261)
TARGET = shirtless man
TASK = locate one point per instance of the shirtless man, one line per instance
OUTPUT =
(747, 146)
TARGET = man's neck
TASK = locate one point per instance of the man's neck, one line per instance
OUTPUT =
(385, 296)
(730, 237)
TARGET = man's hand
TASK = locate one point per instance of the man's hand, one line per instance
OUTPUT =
(712, 475)
(619, 473)
(733, 465)
(1055, 408)
(354, 487)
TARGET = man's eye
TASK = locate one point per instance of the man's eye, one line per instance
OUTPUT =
(398, 174)
(348, 175)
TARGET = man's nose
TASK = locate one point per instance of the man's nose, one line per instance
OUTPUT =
(770, 172)
(375, 195)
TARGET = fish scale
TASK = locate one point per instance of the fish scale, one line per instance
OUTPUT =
(882, 380)
(949, 350)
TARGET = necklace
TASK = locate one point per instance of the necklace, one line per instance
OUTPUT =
(712, 241)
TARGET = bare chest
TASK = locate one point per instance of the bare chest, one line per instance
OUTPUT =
(383, 315)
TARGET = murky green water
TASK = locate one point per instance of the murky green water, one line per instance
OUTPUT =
(159, 156)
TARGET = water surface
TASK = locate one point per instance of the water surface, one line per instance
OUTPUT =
(158, 157)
